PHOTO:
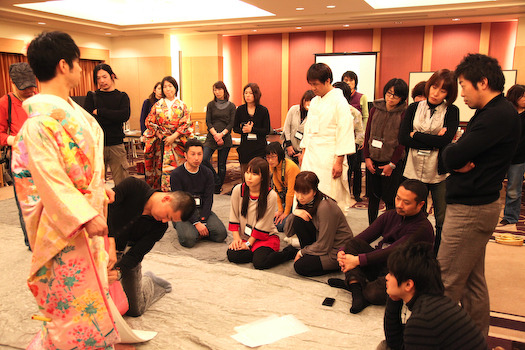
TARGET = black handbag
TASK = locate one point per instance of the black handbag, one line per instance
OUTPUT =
(6, 150)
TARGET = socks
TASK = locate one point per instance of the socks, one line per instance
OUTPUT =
(359, 303)
(157, 280)
(338, 283)
(290, 252)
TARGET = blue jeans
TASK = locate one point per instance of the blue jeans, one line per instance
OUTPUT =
(513, 197)
(222, 155)
(188, 234)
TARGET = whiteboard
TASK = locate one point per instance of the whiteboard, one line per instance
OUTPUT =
(465, 112)
(362, 63)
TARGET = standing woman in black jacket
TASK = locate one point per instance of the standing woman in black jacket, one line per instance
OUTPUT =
(252, 121)
(429, 126)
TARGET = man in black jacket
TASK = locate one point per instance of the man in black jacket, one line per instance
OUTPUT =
(477, 164)
(137, 219)
(111, 109)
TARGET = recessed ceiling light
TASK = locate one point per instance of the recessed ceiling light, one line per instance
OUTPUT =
(107, 33)
(298, 27)
(330, 6)
(398, 22)
(456, 19)
(42, 23)
(346, 25)
(254, 30)
(299, 8)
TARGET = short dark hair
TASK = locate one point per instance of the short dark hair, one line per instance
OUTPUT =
(173, 82)
(347, 92)
(307, 96)
(400, 89)
(306, 181)
(475, 67)
(450, 84)
(515, 93)
(255, 90)
(321, 72)
(275, 148)
(184, 202)
(350, 75)
(104, 67)
(417, 187)
(220, 85)
(417, 262)
(47, 49)
(152, 97)
(418, 90)
(194, 142)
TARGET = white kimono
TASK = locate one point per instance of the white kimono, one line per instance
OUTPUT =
(328, 133)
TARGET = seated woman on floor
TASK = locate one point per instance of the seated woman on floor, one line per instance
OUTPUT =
(319, 224)
(253, 206)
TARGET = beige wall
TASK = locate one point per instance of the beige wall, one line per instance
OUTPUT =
(519, 51)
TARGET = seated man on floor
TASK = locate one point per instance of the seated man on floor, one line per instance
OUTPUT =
(284, 172)
(137, 219)
(198, 181)
(365, 266)
(435, 322)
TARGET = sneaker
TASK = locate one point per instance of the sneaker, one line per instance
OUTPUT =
(504, 222)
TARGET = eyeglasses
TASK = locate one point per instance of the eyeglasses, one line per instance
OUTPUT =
(392, 95)
(271, 156)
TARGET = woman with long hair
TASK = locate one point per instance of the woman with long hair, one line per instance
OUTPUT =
(252, 121)
(253, 206)
(167, 129)
(429, 125)
(220, 114)
(320, 226)
(511, 213)
(382, 151)
(293, 127)
(155, 95)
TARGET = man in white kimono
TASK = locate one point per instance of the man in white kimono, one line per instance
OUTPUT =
(328, 135)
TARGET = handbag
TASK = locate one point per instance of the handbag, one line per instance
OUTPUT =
(6, 150)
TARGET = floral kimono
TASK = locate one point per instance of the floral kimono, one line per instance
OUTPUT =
(159, 158)
(58, 169)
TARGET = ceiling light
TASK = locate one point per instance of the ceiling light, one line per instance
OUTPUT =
(107, 33)
(386, 4)
(346, 25)
(299, 8)
(254, 30)
(42, 23)
(298, 28)
(456, 19)
(330, 6)
(147, 11)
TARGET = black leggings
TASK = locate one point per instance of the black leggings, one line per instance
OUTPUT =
(263, 257)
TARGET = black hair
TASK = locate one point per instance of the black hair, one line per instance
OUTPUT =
(104, 67)
(305, 182)
(321, 72)
(152, 97)
(275, 148)
(417, 187)
(347, 92)
(419, 90)
(307, 96)
(256, 92)
(350, 75)
(220, 85)
(475, 67)
(184, 202)
(515, 93)
(450, 84)
(47, 49)
(417, 262)
(259, 166)
(400, 89)
(194, 142)
(173, 82)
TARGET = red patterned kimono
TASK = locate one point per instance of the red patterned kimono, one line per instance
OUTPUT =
(159, 158)
(58, 168)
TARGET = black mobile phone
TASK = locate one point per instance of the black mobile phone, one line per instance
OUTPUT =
(328, 301)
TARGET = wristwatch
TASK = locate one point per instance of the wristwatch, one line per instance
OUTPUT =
(248, 244)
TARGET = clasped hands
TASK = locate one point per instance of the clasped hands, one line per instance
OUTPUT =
(238, 244)
(347, 262)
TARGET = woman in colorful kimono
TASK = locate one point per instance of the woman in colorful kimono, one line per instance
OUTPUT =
(168, 127)
(253, 206)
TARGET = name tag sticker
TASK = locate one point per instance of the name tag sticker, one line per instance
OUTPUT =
(377, 143)
(299, 135)
(197, 201)
(248, 230)
(423, 152)
(252, 136)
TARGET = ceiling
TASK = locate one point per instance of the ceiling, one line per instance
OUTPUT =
(348, 14)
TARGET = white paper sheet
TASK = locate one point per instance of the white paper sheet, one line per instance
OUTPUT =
(128, 335)
(268, 330)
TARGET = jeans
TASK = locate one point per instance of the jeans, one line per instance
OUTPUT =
(280, 226)
(515, 173)
(188, 234)
(222, 155)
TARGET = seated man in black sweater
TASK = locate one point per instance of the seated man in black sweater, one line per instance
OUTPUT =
(137, 219)
(434, 321)
(197, 180)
